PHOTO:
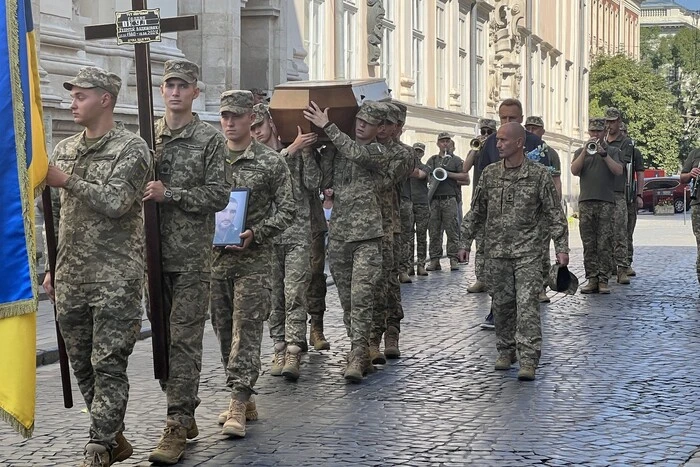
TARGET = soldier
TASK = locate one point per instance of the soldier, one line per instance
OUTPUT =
(259, 96)
(290, 263)
(443, 204)
(99, 176)
(691, 172)
(633, 205)
(535, 125)
(596, 204)
(421, 212)
(487, 127)
(316, 293)
(507, 196)
(354, 249)
(240, 278)
(617, 140)
(190, 188)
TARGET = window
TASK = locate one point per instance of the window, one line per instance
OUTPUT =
(349, 13)
(417, 50)
(387, 49)
(314, 32)
(479, 88)
(440, 57)
(463, 64)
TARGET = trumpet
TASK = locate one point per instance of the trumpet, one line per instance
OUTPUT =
(592, 147)
(440, 174)
(475, 144)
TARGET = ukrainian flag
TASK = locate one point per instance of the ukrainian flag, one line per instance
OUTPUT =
(23, 165)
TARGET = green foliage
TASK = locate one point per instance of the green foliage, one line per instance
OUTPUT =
(646, 103)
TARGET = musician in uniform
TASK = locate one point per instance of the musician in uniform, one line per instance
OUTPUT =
(635, 201)
(421, 212)
(691, 171)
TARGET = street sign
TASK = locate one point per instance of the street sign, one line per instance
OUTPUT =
(138, 26)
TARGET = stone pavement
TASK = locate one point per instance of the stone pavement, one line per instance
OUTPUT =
(616, 384)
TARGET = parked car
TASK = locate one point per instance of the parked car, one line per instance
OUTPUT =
(662, 187)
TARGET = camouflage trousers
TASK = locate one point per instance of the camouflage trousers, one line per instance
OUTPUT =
(239, 306)
(443, 218)
(479, 259)
(100, 323)
(514, 284)
(381, 300)
(407, 233)
(356, 268)
(631, 224)
(316, 293)
(394, 308)
(290, 282)
(419, 243)
(546, 260)
(186, 295)
(695, 220)
(620, 234)
(596, 229)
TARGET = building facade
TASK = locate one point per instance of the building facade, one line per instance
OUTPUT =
(668, 16)
(450, 61)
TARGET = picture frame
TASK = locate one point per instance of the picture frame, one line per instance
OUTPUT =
(230, 221)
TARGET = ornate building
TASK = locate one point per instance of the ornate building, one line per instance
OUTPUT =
(451, 61)
(668, 16)
(614, 27)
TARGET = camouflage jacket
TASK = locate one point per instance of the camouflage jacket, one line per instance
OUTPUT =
(305, 176)
(193, 165)
(509, 204)
(354, 172)
(271, 209)
(98, 213)
(318, 217)
(405, 164)
(398, 164)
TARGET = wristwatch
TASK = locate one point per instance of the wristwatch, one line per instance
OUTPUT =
(168, 194)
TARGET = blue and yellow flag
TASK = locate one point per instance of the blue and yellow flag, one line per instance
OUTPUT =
(23, 165)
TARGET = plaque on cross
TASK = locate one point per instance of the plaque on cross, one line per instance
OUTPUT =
(145, 109)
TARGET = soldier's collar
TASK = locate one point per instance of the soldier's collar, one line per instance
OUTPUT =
(118, 126)
(186, 132)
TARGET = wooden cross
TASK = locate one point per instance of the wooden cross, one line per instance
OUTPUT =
(152, 224)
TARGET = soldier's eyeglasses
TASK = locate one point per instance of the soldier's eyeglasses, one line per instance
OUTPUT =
(486, 131)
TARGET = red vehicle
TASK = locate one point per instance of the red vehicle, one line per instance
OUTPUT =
(658, 188)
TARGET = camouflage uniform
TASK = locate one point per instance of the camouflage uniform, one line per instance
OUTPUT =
(504, 203)
(240, 280)
(693, 160)
(100, 267)
(316, 293)
(637, 166)
(191, 164)
(421, 211)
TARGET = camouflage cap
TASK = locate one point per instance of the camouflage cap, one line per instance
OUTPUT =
(258, 92)
(93, 77)
(562, 280)
(534, 121)
(444, 135)
(261, 111)
(372, 112)
(402, 110)
(611, 113)
(596, 124)
(181, 68)
(236, 101)
(393, 113)
(488, 123)
(419, 147)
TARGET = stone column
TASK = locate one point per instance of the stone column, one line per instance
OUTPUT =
(265, 42)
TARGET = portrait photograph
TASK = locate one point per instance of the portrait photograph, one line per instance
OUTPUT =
(230, 222)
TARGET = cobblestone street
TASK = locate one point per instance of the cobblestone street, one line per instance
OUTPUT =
(617, 384)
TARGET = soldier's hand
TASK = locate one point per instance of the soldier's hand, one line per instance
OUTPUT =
(247, 236)
(694, 172)
(563, 259)
(315, 115)
(463, 256)
(640, 202)
(302, 141)
(55, 177)
(49, 288)
(155, 191)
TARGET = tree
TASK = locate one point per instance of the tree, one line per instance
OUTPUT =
(646, 103)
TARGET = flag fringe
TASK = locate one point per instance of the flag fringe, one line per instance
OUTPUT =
(16, 425)
(22, 307)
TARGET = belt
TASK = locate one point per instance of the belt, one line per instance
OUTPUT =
(444, 196)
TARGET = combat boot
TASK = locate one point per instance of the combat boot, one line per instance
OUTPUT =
(251, 412)
(123, 451)
(434, 265)
(96, 455)
(631, 272)
(420, 270)
(454, 264)
(355, 367)
(622, 277)
(171, 446)
(193, 430)
(504, 361)
(404, 279)
(235, 422)
(391, 343)
(292, 360)
(526, 373)
(316, 337)
(278, 359)
(477, 287)
(603, 287)
(376, 357)
(543, 297)
(591, 287)
(412, 271)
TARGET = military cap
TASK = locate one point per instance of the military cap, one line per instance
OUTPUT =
(261, 111)
(444, 135)
(419, 147)
(258, 92)
(562, 280)
(611, 113)
(402, 110)
(393, 113)
(372, 112)
(236, 101)
(534, 121)
(488, 123)
(596, 124)
(181, 68)
(93, 77)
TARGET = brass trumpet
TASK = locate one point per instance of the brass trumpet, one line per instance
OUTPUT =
(475, 144)
(592, 147)
(440, 174)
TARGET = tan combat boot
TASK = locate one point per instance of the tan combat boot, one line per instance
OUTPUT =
(591, 287)
(434, 265)
(292, 361)
(278, 359)
(622, 277)
(316, 337)
(477, 287)
(235, 422)
(631, 272)
(376, 357)
(420, 270)
(603, 287)
(404, 279)
(526, 373)
(504, 361)
(251, 412)
(543, 297)
(96, 455)
(171, 446)
(355, 367)
(391, 343)
(123, 451)
(454, 264)
(412, 271)
(193, 430)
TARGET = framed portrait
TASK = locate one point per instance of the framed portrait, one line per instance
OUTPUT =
(231, 221)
